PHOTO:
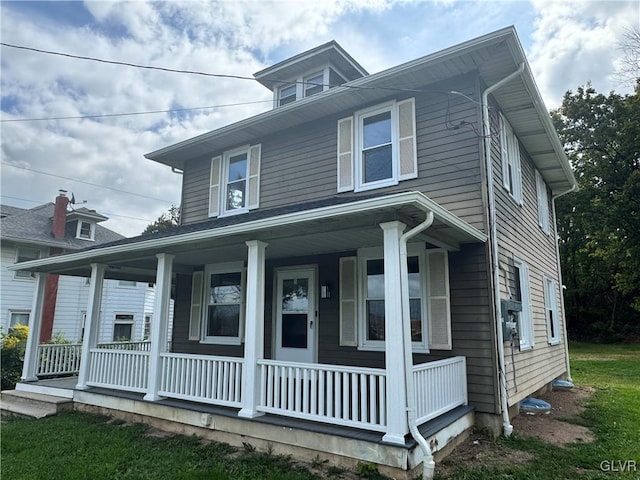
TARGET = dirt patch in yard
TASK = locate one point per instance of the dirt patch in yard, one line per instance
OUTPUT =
(480, 451)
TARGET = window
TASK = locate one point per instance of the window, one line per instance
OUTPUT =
(377, 147)
(543, 203)
(24, 255)
(287, 95)
(223, 312)
(146, 330)
(86, 230)
(551, 309)
(372, 318)
(510, 148)
(19, 317)
(313, 84)
(127, 284)
(522, 294)
(235, 181)
(123, 327)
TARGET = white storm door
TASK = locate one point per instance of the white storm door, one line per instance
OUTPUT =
(296, 315)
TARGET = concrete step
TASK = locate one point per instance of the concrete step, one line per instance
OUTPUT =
(34, 405)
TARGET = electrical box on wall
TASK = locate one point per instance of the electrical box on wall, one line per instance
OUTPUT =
(510, 311)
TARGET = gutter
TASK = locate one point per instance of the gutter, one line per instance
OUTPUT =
(493, 245)
(428, 465)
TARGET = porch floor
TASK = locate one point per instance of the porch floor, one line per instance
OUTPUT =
(427, 429)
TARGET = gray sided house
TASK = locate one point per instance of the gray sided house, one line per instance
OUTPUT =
(355, 267)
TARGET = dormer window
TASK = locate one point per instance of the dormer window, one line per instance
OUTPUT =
(313, 84)
(86, 230)
(287, 95)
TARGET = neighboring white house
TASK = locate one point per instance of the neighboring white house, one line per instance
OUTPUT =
(36, 233)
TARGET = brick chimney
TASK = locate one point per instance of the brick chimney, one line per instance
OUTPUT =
(60, 215)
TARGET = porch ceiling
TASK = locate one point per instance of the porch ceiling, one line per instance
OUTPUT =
(338, 227)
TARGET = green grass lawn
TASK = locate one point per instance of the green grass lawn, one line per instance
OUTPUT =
(74, 446)
(612, 414)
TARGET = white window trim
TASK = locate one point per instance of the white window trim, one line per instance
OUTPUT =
(510, 155)
(376, 253)
(92, 229)
(550, 290)
(217, 268)
(21, 275)
(117, 321)
(225, 180)
(359, 116)
(543, 203)
(300, 85)
(526, 317)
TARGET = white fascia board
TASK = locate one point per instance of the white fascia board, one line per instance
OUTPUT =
(417, 199)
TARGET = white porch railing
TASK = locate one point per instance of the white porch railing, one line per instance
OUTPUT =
(58, 359)
(119, 369)
(202, 378)
(350, 396)
(142, 346)
(440, 386)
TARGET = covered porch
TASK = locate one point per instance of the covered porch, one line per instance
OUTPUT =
(339, 382)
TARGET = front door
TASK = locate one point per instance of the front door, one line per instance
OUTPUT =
(296, 316)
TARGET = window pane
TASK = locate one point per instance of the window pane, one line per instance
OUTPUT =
(294, 330)
(375, 319)
(413, 266)
(314, 85)
(415, 311)
(376, 130)
(235, 195)
(225, 288)
(377, 164)
(287, 95)
(19, 318)
(223, 321)
(375, 278)
(237, 167)
(122, 332)
(295, 293)
(85, 230)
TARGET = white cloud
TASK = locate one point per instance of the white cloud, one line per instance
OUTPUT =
(576, 42)
(570, 44)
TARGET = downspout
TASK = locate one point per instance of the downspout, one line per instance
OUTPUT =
(506, 422)
(573, 188)
(428, 465)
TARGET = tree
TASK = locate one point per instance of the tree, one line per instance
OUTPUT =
(168, 220)
(628, 71)
(599, 226)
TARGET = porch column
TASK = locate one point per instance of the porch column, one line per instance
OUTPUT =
(394, 351)
(30, 366)
(92, 323)
(254, 329)
(158, 334)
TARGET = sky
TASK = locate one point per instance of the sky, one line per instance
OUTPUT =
(101, 160)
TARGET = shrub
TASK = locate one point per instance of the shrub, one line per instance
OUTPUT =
(12, 347)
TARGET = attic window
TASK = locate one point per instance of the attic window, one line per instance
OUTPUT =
(313, 84)
(287, 95)
(86, 230)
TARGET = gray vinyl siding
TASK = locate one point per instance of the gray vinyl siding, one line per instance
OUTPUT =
(520, 235)
(471, 325)
(299, 165)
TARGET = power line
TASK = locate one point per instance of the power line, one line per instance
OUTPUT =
(205, 74)
(106, 213)
(85, 182)
(135, 113)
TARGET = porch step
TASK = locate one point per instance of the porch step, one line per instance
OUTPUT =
(33, 405)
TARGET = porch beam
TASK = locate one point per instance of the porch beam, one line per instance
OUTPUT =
(396, 403)
(159, 325)
(30, 366)
(92, 323)
(254, 329)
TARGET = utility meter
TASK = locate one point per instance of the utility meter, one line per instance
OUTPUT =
(510, 310)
